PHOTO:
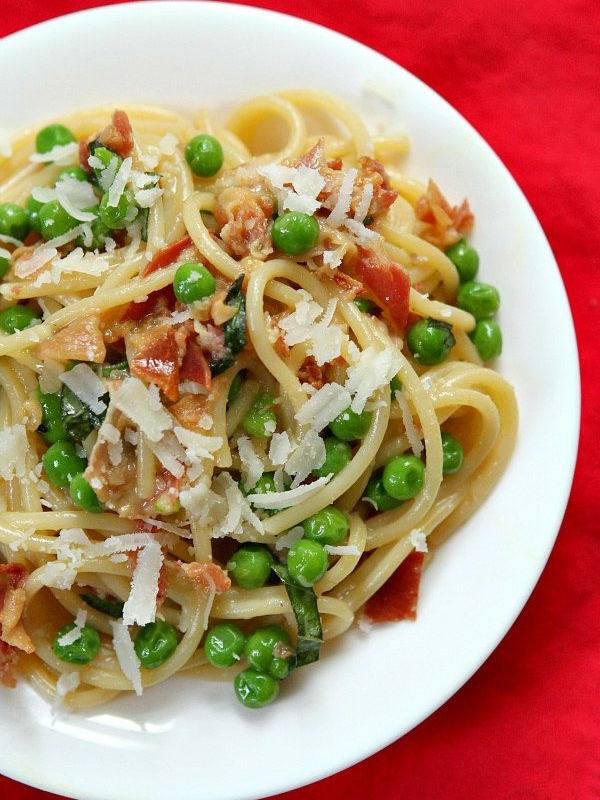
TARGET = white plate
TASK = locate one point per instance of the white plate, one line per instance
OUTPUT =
(187, 740)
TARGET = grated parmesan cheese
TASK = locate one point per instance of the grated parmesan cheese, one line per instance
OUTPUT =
(281, 500)
(140, 606)
(309, 455)
(75, 633)
(86, 385)
(121, 178)
(412, 433)
(14, 447)
(143, 407)
(61, 154)
(126, 655)
(344, 199)
(323, 406)
(418, 539)
(251, 463)
(342, 549)
(373, 370)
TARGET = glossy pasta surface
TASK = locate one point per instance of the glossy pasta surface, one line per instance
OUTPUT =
(199, 420)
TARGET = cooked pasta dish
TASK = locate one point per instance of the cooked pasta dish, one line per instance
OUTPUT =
(246, 390)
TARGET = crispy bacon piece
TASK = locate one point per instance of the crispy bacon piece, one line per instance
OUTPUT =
(397, 598)
(9, 658)
(388, 282)
(350, 286)
(81, 340)
(310, 372)
(372, 171)
(206, 575)
(443, 224)
(369, 171)
(189, 410)
(244, 217)
(153, 357)
(194, 366)
(114, 484)
(167, 255)
(118, 135)
(12, 604)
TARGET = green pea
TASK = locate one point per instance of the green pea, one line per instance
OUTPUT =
(453, 454)
(119, 216)
(295, 232)
(260, 419)
(14, 221)
(17, 318)
(269, 649)
(193, 281)
(264, 485)
(82, 650)
(204, 155)
(465, 258)
(349, 426)
(395, 386)
(75, 171)
(52, 136)
(365, 305)
(62, 462)
(99, 232)
(487, 338)
(51, 428)
(255, 689)
(33, 206)
(430, 341)
(4, 266)
(224, 644)
(480, 299)
(84, 496)
(109, 165)
(338, 455)
(155, 643)
(404, 476)
(235, 387)
(54, 220)
(376, 495)
(307, 562)
(327, 526)
(250, 565)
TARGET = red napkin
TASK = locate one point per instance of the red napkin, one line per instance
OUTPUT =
(527, 725)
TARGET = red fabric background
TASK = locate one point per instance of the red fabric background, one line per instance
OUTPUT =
(526, 75)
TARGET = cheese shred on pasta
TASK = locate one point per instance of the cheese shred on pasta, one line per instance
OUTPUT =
(197, 427)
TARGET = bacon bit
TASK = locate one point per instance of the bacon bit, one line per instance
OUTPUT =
(443, 224)
(335, 163)
(115, 484)
(84, 155)
(350, 286)
(81, 340)
(397, 598)
(281, 348)
(388, 282)
(194, 366)
(167, 255)
(158, 362)
(372, 171)
(310, 372)
(118, 135)
(13, 599)
(244, 217)
(206, 575)
(189, 410)
(9, 658)
(160, 300)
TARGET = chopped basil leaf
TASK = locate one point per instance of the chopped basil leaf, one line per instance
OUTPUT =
(308, 620)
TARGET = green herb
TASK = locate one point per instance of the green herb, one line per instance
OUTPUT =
(308, 620)
(78, 419)
(114, 608)
(234, 330)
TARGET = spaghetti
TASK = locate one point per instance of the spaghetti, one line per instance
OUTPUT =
(243, 390)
